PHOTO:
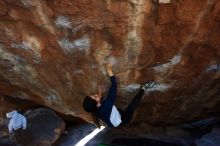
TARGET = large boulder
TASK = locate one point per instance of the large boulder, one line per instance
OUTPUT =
(43, 128)
(52, 51)
(8, 104)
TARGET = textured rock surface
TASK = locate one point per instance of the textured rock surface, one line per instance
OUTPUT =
(51, 52)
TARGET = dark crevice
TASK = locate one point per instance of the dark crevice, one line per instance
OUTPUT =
(22, 105)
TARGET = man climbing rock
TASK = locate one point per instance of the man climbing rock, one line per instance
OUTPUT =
(106, 110)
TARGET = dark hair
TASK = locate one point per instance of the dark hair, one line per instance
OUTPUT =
(90, 105)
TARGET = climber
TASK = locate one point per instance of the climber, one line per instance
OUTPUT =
(106, 110)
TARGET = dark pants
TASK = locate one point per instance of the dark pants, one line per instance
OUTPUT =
(127, 114)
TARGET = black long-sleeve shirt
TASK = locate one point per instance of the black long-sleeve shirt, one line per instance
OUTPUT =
(104, 111)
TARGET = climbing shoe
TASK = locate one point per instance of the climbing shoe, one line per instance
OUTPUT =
(148, 85)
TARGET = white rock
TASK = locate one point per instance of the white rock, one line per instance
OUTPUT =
(63, 21)
(164, 1)
(81, 44)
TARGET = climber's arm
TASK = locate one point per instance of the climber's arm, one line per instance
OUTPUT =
(100, 90)
(109, 69)
(112, 91)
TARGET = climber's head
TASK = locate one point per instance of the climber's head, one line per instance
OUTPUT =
(90, 104)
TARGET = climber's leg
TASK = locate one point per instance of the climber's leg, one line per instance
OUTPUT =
(127, 114)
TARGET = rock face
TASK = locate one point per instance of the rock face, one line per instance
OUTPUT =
(52, 51)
